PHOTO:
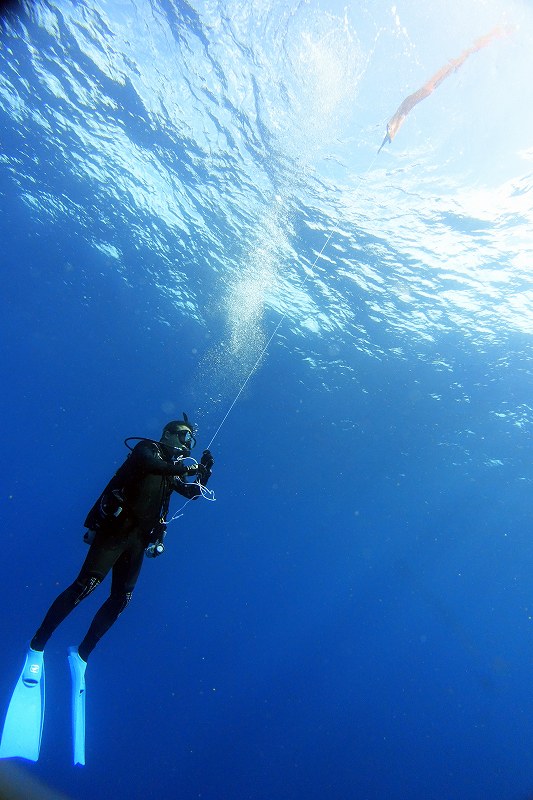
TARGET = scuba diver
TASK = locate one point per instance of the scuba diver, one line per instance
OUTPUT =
(127, 522)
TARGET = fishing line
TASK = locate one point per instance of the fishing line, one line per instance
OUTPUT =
(207, 494)
(284, 315)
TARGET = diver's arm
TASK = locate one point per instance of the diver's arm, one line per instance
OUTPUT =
(188, 490)
(202, 472)
(148, 459)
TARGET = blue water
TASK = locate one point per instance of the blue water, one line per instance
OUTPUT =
(193, 213)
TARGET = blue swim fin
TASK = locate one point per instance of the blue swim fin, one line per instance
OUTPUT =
(23, 727)
(77, 673)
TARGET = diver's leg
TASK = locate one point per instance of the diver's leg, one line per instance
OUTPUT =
(125, 573)
(99, 561)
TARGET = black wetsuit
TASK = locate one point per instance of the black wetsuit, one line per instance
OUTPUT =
(128, 515)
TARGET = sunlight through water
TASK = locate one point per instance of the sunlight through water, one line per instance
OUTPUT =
(233, 140)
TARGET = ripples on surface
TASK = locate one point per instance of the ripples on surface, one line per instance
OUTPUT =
(232, 139)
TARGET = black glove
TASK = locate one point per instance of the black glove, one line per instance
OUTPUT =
(207, 460)
(204, 467)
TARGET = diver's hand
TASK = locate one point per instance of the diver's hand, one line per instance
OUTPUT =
(204, 467)
(207, 460)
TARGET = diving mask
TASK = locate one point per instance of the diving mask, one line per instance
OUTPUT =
(185, 437)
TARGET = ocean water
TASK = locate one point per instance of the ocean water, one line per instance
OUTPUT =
(195, 217)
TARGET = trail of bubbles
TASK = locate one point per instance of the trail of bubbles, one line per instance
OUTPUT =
(225, 366)
(319, 57)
